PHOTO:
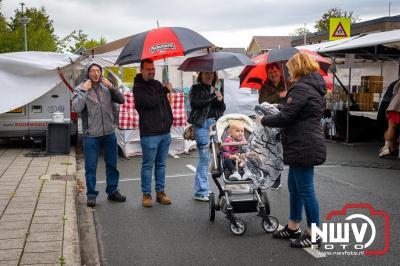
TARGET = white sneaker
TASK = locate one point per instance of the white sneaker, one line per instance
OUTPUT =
(235, 176)
(384, 151)
(201, 198)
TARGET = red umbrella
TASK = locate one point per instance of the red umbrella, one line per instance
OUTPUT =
(255, 76)
(161, 43)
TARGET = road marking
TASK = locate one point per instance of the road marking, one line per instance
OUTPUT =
(316, 253)
(176, 156)
(138, 178)
(191, 167)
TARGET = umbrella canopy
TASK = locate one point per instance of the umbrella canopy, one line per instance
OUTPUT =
(255, 76)
(161, 43)
(214, 61)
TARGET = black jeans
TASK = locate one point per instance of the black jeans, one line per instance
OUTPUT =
(230, 164)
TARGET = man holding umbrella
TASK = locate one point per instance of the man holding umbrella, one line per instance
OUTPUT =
(155, 121)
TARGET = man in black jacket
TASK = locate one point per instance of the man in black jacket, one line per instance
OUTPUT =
(155, 121)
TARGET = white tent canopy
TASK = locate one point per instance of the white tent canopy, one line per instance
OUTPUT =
(386, 38)
(25, 76)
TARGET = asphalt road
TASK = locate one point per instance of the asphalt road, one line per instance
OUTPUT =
(181, 234)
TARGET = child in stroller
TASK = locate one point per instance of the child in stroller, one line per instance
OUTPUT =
(249, 194)
(234, 156)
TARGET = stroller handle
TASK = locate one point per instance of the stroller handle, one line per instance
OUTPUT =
(234, 143)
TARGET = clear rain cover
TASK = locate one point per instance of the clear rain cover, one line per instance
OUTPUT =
(264, 151)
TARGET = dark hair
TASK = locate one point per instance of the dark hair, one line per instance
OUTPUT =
(270, 65)
(146, 60)
(200, 78)
(91, 65)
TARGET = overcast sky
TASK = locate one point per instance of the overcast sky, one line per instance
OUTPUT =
(226, 23)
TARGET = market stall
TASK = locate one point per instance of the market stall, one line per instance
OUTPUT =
(365, 65)
(127, 129)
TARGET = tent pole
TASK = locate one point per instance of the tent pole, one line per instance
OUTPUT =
(348, 108)
(283, 73)
(331, 105)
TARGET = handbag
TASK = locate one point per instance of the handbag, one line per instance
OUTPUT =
(189, 133)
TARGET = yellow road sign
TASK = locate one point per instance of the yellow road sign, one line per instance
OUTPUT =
(339, 28)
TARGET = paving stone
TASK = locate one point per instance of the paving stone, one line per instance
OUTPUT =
(52, 246)
(3, 203)
(10, 234)
(6, 192)
(10, 254)
(10, 263)
(24, 193)
(47, 220)
(19, 211)
(51, 213)
(17, 198)
(9, 177)
(16, 217)
(5, 197)
(48, 199)
(12, 243)
(22, 205)
(41, 258)
(47, 228)
(49, 206)
(14, 225)
(8, 183)
(44, 236)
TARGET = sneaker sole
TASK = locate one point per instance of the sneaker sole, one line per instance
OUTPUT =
(201, 199)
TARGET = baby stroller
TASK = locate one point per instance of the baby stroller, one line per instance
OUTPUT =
(248, 194)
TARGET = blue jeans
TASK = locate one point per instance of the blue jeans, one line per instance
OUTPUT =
(154, 151)
(201, 186)
(301, 190)
(91, 149)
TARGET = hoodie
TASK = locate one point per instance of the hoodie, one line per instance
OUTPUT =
(151, 102)
(300, 115)
(96, 107)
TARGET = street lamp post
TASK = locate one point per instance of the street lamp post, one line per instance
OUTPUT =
(24, 20)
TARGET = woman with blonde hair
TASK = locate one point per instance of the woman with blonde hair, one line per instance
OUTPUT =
(303, 145)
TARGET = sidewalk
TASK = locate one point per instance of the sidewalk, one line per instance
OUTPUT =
(38, 220)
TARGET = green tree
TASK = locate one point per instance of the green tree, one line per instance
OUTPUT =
(76, 40)
(94, 43)
(4, 32)
(40, 31)
(301, 31)
(323, 23)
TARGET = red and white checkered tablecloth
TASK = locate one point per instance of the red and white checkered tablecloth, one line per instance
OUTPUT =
(178, 109)
(129, 117)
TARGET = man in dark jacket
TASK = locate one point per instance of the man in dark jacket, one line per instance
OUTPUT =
(93, 100)
(155, 121)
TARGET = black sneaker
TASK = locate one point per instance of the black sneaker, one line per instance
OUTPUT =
(91, 202)
(286, 233)
(277, 184)
(116, 196)
(305, 241)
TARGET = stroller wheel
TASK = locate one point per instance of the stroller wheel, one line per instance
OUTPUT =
(240, 229)
(211, 206)
(270, 228)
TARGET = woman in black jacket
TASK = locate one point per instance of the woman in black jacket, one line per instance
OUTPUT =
(303, 144)
(207, 106)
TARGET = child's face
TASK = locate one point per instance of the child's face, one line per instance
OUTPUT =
(237, 133)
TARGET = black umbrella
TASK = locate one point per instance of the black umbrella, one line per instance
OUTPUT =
(162, 43)
(215, 61)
